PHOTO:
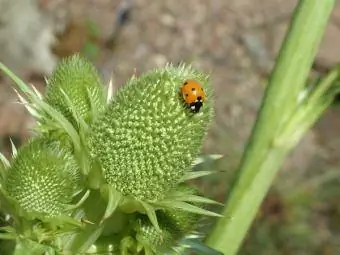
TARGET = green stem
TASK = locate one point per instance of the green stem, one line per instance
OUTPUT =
(263, 158)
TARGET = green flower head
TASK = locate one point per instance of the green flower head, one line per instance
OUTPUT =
(148, 136)
(75, 87)
(42, 179)
(153, 240)
(174, 225)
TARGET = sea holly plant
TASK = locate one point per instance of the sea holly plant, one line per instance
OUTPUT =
(103, 173)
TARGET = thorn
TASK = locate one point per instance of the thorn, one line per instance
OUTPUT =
(86, 221)
(36, 91)
(14, 149)
(110, 90)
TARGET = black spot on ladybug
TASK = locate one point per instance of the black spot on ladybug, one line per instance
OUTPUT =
(186, 95)
(193, 89)
(185, 83)
(199, 98)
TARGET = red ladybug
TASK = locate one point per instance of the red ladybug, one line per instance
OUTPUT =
(193, 94)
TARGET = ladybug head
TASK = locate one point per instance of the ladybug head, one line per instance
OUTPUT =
(196, 106)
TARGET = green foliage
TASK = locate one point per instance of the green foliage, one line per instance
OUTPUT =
(106, 177)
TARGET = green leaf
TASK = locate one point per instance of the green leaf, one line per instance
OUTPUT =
(95, 177)
(7, 229)
(186, 207)
(4, 160)
(207, 158)
(67, 223)
(25, 246)
(75, 114)
(195, 174)
(127, 245)
(113, 198)
(82, 241)
(199, 247)
(187, 195)
(151, 213)
(8, 236)
(80, 202)
(14, 149)
(39, 105)
(197, 199)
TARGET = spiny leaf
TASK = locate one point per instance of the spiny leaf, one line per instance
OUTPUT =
(14, 149)
(186, 207)
(196, 199)
(4, 164)
(195, 174)
(113, 199)
(4, 160)
(206, 158)
(65, 220)
(187, 195)
(29, 107)
(39, 95)
(199, 247)
(75, 114)
(40, 106)
(150, 212)
(80, 202)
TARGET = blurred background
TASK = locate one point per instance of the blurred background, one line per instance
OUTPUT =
(236, 41)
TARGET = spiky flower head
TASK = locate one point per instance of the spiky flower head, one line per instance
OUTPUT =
(42, 179)
(154, 240)
(174, 225)
(148, 137)
(183, 221)
(76, 90)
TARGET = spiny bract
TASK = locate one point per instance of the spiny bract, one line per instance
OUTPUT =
(185, 222)
(147, 137)
(171, 230)
(78, 79)
(42, 179)
(154, 240)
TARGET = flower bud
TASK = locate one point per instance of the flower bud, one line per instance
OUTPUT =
(148, 136)
(76, 81)
(42, 179)
(154, 240)
(174, 225)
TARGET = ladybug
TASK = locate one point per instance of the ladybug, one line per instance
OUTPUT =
(193, 95)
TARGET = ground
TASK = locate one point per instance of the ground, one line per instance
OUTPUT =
(236, 41)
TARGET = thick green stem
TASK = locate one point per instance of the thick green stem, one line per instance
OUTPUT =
(263, 157)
